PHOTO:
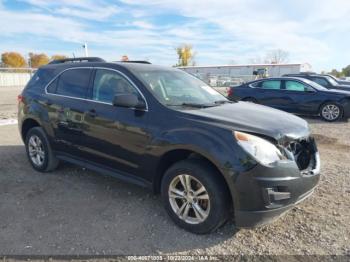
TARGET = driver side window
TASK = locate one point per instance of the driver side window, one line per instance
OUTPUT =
(109, 83)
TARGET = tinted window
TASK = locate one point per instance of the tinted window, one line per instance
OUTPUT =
(271, 84)
(320, 81)
(295, 86)
(74, 83)
(109, 83)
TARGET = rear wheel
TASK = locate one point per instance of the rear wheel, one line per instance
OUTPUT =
(195, 196)
(39, 151)
(331, 112)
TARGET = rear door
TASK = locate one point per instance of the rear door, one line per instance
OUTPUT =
(66, 101)
(270, 93)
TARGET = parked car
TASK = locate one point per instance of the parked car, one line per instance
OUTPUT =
(164, 129)
(295, 95)
(339, 81)
(323, 80)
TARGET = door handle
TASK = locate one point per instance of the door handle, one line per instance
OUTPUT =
(92, 113)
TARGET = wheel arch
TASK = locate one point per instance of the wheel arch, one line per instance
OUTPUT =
(171, 157)
(27, 125)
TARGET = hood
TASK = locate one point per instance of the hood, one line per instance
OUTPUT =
(342, 87)
(339, 91)
(253, 118)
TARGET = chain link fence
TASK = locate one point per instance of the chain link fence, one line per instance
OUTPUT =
(15, 77)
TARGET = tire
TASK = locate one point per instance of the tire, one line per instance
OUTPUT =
(250, 99)
(215, 202)
(47, 160)
(331, 112)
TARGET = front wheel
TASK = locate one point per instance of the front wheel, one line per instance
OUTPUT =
(330, 112)
(195, 196)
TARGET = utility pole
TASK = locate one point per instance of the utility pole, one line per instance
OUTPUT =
(86, 49)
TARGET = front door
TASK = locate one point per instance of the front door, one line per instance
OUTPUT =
(114, 137)
(302, 98)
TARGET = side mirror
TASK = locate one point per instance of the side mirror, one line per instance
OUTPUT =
(128, 101)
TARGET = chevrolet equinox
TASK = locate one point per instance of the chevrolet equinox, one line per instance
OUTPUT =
(158, 127)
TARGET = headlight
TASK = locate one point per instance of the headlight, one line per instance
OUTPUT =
(262, 150)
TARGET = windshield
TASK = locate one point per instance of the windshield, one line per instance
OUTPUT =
(314, 84)
(332, 81)
(176, 88)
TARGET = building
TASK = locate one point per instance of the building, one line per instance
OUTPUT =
(228, 75)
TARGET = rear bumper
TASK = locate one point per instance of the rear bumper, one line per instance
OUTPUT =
(264, 193)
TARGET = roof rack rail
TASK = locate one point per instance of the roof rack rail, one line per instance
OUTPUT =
(135, 61)
(77, 60)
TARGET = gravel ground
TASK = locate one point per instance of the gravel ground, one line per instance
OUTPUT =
(76, 211)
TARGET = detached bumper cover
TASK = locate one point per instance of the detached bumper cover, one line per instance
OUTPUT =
(265, 193)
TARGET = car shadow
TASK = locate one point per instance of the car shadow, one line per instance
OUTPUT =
(317, 120)
(74, 211)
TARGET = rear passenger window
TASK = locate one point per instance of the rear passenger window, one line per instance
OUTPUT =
(271, 84)
(74, 83)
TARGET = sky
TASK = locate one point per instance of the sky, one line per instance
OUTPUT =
(220, 31)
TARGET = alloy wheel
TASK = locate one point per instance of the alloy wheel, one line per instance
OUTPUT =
(330, 112)
(189, 199)
(36, 150)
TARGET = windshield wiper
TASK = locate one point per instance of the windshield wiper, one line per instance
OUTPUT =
(196, 105)
(223, 102)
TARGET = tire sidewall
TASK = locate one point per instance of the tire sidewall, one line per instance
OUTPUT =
(218, 209)
(39, 133)
(335, 104)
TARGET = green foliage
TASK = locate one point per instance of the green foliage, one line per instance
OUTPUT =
(346, 71)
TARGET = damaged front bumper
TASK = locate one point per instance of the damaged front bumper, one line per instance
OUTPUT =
(266, 192)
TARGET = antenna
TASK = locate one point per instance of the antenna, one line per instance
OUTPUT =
(86, 49)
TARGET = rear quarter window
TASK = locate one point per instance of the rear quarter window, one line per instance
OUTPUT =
(40, 78)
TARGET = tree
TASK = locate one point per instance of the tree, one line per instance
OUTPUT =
(346, 71)
(277, 56)
(37, 60)
(336, 73)
(13, 59)
(58, 57)
(185, 55)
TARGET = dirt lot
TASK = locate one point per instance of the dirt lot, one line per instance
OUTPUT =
(76, 211)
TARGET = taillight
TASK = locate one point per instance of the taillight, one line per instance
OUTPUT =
(20, 98)
(230, 92)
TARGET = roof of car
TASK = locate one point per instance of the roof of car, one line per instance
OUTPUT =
(98, 62)
(278, 78)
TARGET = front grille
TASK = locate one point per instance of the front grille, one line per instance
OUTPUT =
(303, 153)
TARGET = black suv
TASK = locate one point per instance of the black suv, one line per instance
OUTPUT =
(164, 129)
(323, 80)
